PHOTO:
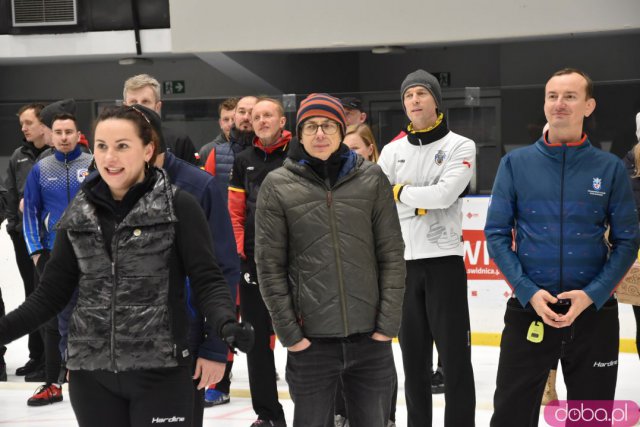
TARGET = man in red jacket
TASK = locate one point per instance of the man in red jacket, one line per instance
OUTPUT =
(250, 167)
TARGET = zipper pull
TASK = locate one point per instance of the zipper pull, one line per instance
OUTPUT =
(113, 268)
(329, 198)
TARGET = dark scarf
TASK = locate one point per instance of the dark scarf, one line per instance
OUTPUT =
(427, 137)
(328, 170)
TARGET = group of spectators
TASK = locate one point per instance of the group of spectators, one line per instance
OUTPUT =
(318, 239)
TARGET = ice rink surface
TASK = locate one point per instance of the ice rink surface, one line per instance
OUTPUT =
(14, 411)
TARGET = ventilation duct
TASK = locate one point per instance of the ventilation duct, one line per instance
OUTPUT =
(40, 13)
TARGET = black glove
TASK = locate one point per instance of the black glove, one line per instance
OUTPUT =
(238, 335)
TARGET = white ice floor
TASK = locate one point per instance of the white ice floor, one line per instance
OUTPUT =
(238, 413)
(14, 393)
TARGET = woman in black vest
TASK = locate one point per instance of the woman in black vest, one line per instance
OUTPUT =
(127, 242)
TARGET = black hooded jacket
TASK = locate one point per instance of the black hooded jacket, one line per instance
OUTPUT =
(20, 164)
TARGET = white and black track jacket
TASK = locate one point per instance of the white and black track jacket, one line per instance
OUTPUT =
(435, 168)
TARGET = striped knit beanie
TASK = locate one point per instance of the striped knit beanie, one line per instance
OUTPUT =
(321, 105)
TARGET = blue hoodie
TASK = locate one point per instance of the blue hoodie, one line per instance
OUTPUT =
(559, 199)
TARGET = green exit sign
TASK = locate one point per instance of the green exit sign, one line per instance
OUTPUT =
(172, 86)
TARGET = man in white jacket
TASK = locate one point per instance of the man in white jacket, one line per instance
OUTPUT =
(430, 169)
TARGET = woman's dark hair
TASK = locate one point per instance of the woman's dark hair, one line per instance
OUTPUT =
(140, 121)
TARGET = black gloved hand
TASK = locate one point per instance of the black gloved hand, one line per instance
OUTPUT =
(238, 335)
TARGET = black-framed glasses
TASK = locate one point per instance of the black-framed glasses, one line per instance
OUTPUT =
(328, 128)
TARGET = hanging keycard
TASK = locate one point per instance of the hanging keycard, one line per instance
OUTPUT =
(536, 332)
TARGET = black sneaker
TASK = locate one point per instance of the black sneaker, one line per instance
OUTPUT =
(31, 366)
(437, 382)
(38, 376)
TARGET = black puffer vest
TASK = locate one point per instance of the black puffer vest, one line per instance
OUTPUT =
(122, 320)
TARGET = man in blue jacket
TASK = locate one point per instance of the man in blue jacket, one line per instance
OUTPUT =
(49, 188)
(558, 197)
(210, 352)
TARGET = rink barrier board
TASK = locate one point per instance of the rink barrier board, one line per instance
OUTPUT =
(492, 339)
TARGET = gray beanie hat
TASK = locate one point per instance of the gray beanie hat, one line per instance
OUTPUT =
(422, 78)
(48, 113)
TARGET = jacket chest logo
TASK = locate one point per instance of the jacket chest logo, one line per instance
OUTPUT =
(439, 157)
(596, 186)
(597, 183)
(81, 174)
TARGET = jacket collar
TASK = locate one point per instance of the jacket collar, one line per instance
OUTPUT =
(72, 155)
(240, 139)
(32, 149)
(151, 203)
(281, 143)
(301, 163)
(440, 130)
(557, 150)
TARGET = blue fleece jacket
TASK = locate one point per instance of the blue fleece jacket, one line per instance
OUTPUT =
(559, 199)
(204, 188)
(50, 186)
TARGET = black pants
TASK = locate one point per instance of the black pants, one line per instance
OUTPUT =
(3, 349)
(341, 405)
(636, 312)
(28, 275)
(588, 351)
(435, 308)
(50, 334)
(368, 375)
(260, 360)
(224, 385)
(198, 400)
(132, 398)
(198, 395)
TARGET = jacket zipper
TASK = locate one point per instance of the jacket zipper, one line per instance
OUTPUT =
(564, 156)
(336, 249)
(66, 166)
(416, 219)
(114, 365)
(334, 237)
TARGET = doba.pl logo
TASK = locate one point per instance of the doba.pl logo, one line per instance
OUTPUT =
(592, 413)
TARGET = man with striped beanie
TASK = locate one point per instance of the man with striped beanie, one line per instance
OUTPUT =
(331, 270)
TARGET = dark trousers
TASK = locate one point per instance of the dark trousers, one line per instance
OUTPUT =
(588, 351)
(636, 312)
(132, 398)
(368, 376)
(260, 360)
(198, 400)
(3, 349)
(224, 385)
(435, 308)
(50, 334)
(341, 405)
(28, 275)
